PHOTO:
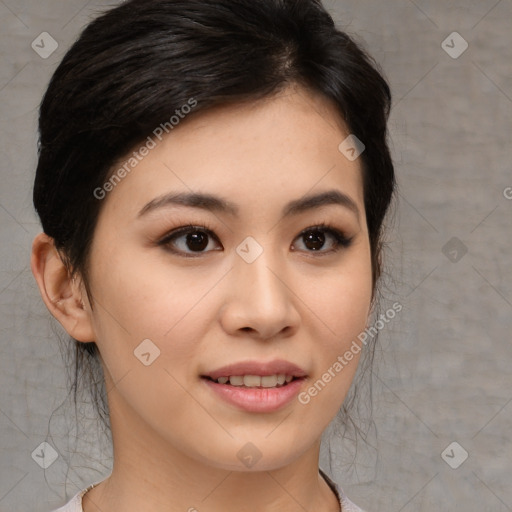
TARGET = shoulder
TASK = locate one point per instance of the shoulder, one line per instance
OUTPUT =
(74, 504)
(346, 504)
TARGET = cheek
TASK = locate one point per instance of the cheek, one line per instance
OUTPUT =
(149, 322)
(340, 299)
(137, 300)
(340, 305)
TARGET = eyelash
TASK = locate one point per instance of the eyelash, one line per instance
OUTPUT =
(342, 241)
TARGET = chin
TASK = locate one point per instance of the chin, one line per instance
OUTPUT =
(255, 456)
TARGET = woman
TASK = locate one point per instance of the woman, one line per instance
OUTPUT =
(212, 182)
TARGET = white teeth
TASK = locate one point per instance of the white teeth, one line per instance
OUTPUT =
(256, 381)
(236, 381)
(252, 381)
(269, 381)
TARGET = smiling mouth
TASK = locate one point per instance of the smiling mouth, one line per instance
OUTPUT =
(255, 381)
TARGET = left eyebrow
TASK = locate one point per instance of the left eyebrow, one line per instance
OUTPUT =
(330, 197)
(217, 204)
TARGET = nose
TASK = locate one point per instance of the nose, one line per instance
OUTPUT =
(260, 299)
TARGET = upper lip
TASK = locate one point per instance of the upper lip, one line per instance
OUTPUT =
(262, 368)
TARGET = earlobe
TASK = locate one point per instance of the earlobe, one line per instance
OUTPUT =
(61, 294)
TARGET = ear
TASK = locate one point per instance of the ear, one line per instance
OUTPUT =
(65, 299)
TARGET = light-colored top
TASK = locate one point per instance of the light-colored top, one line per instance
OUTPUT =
(75, 504)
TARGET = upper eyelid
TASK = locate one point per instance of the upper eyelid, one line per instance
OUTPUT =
(199, 227)
(186, 229)
(183, 230)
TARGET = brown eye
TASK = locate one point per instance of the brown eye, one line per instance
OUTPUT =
(314, 239)
(188, 240)
(197, 241)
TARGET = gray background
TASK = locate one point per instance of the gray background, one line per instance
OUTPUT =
(443, 364)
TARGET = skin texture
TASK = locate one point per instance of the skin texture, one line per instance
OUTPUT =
(176, 442)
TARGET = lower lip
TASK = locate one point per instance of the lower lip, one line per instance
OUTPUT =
(257, 399)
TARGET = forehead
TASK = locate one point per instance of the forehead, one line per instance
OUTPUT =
(259, 154)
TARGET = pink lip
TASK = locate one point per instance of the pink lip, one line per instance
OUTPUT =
(257, 399)
(258, 368)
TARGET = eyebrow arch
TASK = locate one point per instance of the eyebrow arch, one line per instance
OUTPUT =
(216, 204)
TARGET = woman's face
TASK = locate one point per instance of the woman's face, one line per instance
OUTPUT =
(243, 286)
